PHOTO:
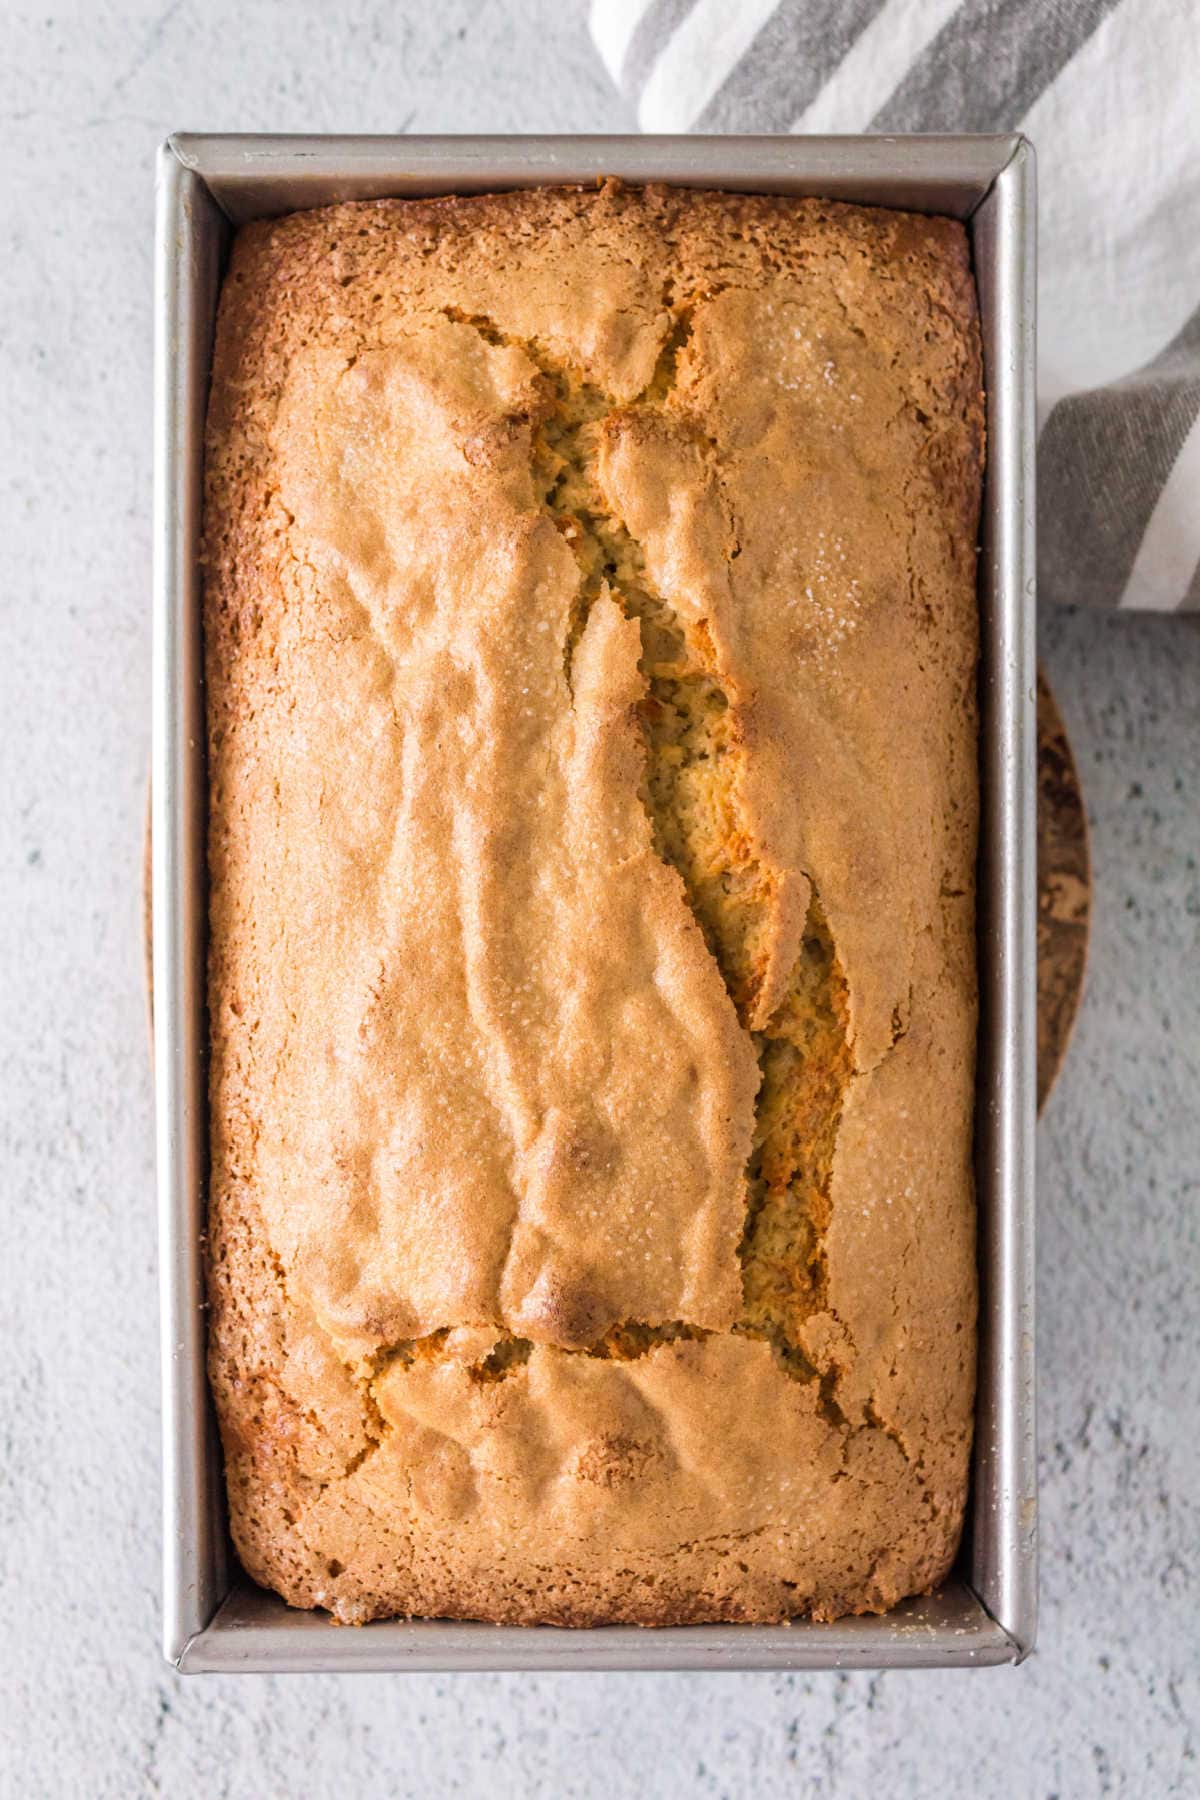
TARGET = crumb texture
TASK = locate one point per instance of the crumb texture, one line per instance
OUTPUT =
(591, 642)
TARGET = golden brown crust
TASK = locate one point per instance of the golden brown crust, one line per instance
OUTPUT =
(591, 647)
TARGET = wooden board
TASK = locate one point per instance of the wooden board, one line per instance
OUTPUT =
(1064, 890)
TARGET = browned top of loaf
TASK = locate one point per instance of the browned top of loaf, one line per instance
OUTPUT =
(591, 654)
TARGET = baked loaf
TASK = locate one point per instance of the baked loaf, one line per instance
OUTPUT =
(591, 646)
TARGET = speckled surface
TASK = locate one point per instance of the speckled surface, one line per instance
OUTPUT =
(1110, 1703)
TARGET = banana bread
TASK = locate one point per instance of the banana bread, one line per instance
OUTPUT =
(591, 648)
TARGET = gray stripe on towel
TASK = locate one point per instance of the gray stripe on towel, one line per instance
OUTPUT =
(1103, 458)
(651, 35)
(786, 65)
(988, 64)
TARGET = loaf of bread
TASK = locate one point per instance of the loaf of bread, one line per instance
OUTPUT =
(591, 648)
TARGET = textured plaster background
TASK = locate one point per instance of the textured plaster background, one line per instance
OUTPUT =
(1110, 1703)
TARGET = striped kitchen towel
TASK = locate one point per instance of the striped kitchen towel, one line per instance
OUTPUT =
(1109, 93)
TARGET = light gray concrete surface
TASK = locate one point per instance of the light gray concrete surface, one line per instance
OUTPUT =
(1109, 1705)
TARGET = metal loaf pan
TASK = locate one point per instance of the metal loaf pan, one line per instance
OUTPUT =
(214, 1617)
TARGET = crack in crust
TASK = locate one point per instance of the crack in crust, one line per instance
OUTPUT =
(694, 757)
(623, 1342)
